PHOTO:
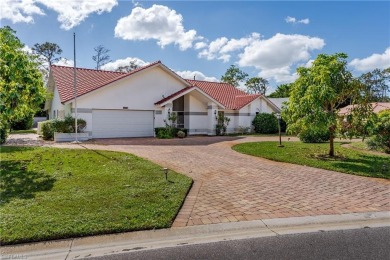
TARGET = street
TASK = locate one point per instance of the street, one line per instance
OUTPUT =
(366, 243)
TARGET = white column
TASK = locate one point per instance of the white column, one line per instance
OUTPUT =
(212, 112)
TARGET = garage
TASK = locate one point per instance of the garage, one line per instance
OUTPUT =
(122, 123)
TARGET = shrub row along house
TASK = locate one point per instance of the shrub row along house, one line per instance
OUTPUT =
(117, 104)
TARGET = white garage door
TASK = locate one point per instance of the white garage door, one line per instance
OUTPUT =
(122, 123)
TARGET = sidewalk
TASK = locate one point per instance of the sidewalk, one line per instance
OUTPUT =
(95, 246)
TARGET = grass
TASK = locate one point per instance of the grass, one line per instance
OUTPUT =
(363, 146)
(49, 193)
(315, 155)
(30, 131)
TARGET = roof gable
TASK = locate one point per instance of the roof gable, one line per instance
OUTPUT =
(226, 94)
(89, 80)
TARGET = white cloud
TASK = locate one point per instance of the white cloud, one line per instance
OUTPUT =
(200, 45)
(294, 20)
(70, 13)
(221, 47)
(157, 22)
(380, 61)
(276, 55)
(198, 75)
(113, 65)
(27, 49)
(64, 62)
(19, 11)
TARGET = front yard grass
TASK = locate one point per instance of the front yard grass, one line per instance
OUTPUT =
(49, 193)
(315, 155)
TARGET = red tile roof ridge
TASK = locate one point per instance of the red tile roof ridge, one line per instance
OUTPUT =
(79, 68)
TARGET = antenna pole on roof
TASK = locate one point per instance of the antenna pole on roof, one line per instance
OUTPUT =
(75, 88)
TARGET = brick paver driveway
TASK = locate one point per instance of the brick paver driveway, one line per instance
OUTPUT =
(229, 186)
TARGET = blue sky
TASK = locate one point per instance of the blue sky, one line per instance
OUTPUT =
(203, 38)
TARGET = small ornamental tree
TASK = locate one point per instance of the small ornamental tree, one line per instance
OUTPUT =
(381, 138)
(317, 94)
(21, 84)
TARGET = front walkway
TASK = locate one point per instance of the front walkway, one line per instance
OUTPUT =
(229, 186)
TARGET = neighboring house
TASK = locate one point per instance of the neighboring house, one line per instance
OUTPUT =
(376, 108)
(116, 104)
(279, 102)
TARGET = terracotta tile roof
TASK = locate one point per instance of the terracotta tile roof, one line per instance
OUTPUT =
(87, 79)
(376, 108)
(226, 94)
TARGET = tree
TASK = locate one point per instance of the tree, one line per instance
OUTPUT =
(48, 51)
(21, 84)
(376, 83)
(317, 94)
(282, 91)
(102, 57)
(257, 85)
(127, 68)
(234, 76)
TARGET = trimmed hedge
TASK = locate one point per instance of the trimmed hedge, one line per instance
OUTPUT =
(48, 128)
(265, 123)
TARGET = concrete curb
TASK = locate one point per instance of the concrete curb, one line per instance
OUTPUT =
(145, 240)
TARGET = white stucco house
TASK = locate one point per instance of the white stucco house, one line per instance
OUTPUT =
(117, 104)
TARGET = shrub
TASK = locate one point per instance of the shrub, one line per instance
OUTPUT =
(265, 123)
(180, 134)
(25, 123)
(222, 125)
(3, 135)
(165, 133)
(313, 135)
(47, 130)
(168, 132)
(243, 129)
(381, 138)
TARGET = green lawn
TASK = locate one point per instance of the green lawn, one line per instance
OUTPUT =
(49, 193)
(315, 155)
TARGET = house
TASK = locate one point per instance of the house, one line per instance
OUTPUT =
(279, 102)
(117, 104)
(376, 108)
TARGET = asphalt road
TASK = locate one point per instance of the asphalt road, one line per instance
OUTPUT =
(367, 243)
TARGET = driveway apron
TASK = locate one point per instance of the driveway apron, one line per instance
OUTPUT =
(229, 186)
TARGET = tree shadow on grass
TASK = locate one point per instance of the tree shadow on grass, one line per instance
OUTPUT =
(373, 166)
(16, 182)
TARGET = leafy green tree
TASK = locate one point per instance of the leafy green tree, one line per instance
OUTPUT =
(376, 83)
(282, 91)
(21, 84)
(317, 93)
(102, 57)
(234, 76)
(257, 85)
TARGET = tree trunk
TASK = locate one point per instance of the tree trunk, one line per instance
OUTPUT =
(331, 141)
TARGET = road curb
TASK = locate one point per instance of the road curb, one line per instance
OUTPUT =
(152, 239)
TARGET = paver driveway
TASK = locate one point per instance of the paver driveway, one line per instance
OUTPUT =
(229, 186)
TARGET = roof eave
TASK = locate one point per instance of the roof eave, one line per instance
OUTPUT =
(188, 91)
